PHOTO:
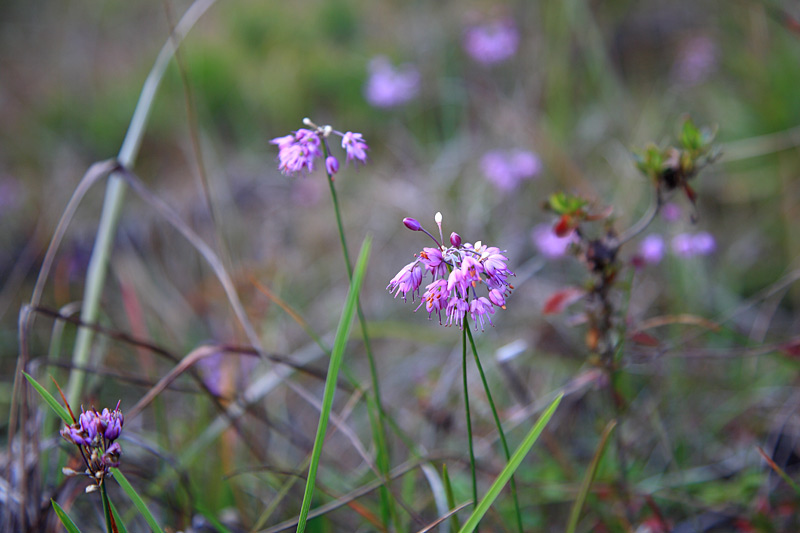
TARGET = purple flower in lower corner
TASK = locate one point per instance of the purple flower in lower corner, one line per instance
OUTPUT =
(95, 434)
(458, 271)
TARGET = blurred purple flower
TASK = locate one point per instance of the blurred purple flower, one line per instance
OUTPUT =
(390, 87)
(671, 212)
(689, 245)
(697, 59)
(492, 42)
(651, 249)
(505, 169)
(298, 151)
(548, 243)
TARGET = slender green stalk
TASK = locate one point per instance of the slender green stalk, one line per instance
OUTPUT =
(337, 354)
(588, 479)
(469, 419)
(66, 521)
(500, 431)
(382, 459)
(137, 500)
(115, 196)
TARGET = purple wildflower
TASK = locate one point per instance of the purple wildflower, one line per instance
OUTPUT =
(493, 42)
(458, 271)
(390, 87)
(550, 244)
(354, 145)
(651, 249)
(299, 151)
(697, 59)
(507, 169)
(407, 280)
(690, 245)
(94, 433)
(671, 212)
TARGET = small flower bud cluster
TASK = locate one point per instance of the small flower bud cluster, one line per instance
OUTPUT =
(298, 152)
(94, 433)
(457, 271)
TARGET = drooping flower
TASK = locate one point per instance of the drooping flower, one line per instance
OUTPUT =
(492, 42)
(507, 169)
(458, 271)
(388, 86)
(298, 152)
(354, 145)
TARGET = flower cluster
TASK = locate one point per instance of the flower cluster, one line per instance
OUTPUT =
(94, 433)
(457, 271)
(493, 42)
(388, 86)
(298, 152)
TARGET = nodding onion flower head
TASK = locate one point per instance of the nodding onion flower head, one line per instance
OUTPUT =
(95, 434)
(458, 271)
(299, 151)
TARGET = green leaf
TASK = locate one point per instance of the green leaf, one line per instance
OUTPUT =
(59, 409)
(69, 525)
(451, 500)
(137, 500)
(566, 204)
(511, 467)
(337, 354)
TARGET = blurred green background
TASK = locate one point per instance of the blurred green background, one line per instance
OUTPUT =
(588, 82)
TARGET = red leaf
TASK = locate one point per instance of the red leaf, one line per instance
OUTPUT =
(645, 339)
(562, 299)
(792, 349)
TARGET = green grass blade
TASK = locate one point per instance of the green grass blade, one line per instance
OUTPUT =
(451, 500)
(137, 500)
(59, 409)
(339, 343)
(588, 479)
(69, 525)
(511, 467)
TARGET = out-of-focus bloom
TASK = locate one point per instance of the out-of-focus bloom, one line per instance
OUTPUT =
(697, 59)
(550, 244)
(671, 212)
(354, 145)
(458, 271)
(492, 42)
(689, 245)
(651, 249)
(298, 152)
(505, 169)
(94, 433)
(390, 87)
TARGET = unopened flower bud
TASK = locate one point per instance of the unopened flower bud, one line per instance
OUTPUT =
(331, 165)
(412, 224)
(455, 239)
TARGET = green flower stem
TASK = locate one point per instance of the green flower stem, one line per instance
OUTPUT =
(469, 419)
(115, 196)
(107, 509)
(387, 507)
(500, 431)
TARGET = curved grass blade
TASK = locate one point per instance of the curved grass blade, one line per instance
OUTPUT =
(511, 467)
(59, 409)
(137, 500)
(69, 525)
(339, 343)
(588, 479)
(117, 518)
